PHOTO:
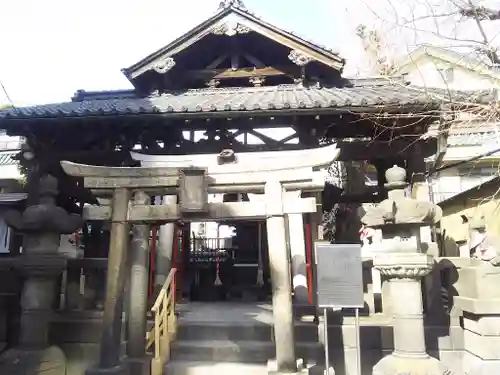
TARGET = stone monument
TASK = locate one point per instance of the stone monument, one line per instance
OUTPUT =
(403, 262)
(42, 225)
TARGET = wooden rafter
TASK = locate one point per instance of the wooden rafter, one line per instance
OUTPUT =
(255, 61)
(264, 138)
(238, 73)
(289, 138)
(214, 64)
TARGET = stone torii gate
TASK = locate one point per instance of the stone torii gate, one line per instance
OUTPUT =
(192, 185)
(246, 162)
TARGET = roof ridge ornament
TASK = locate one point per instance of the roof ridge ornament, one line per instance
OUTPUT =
(231, 28)
(224, 4)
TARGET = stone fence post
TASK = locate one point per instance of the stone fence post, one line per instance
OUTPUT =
(402, 261)
(480, 303)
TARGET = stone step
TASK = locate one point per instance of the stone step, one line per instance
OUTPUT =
(304, 332)
(229, 368)
(237, 351)
(214, 368)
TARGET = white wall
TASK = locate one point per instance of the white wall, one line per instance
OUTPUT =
(9, 143)
(428, 71)
(425, 72)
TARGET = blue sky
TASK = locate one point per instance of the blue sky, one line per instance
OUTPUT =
(51, 48)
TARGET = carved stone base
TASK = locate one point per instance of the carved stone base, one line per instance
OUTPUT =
(395, 365)
(49, 361)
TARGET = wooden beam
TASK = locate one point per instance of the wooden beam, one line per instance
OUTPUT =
(404, 148)
(253, 60)
(214, 64)
(289, 138)
(235, 73)
(217, 211)
(264, 138)
(36, 126)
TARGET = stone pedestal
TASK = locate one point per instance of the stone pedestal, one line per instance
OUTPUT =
(42, 265)
(404, 264)
(409, 357)
(480, 303)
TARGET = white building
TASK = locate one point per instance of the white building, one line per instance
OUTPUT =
(9, 171)
(468, 137)
(10, 184)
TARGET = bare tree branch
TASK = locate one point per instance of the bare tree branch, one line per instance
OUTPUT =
(480, 13)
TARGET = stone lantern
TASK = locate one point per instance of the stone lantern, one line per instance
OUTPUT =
(404, 263)
(41, 264)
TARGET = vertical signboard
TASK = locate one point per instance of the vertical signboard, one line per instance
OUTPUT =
(339, 284)
(339, 275)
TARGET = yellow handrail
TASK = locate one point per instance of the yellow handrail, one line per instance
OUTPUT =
(165, 324)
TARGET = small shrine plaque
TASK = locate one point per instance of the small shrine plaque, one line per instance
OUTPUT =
(339, 275)
(193, 193)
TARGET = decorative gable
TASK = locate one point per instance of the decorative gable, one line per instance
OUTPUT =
(235, 48)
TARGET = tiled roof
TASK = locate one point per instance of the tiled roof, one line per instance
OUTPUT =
(359, 95)
(6, 158)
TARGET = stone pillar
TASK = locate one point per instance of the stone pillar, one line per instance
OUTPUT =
(355, 184)
(297, 243)
(421, 191)
(73, 300)
(138, 293)
(42, 265)
(165, 245)
(280, 279)
(480, 303)
(94, 277)
(403, 262)
(109, 355)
